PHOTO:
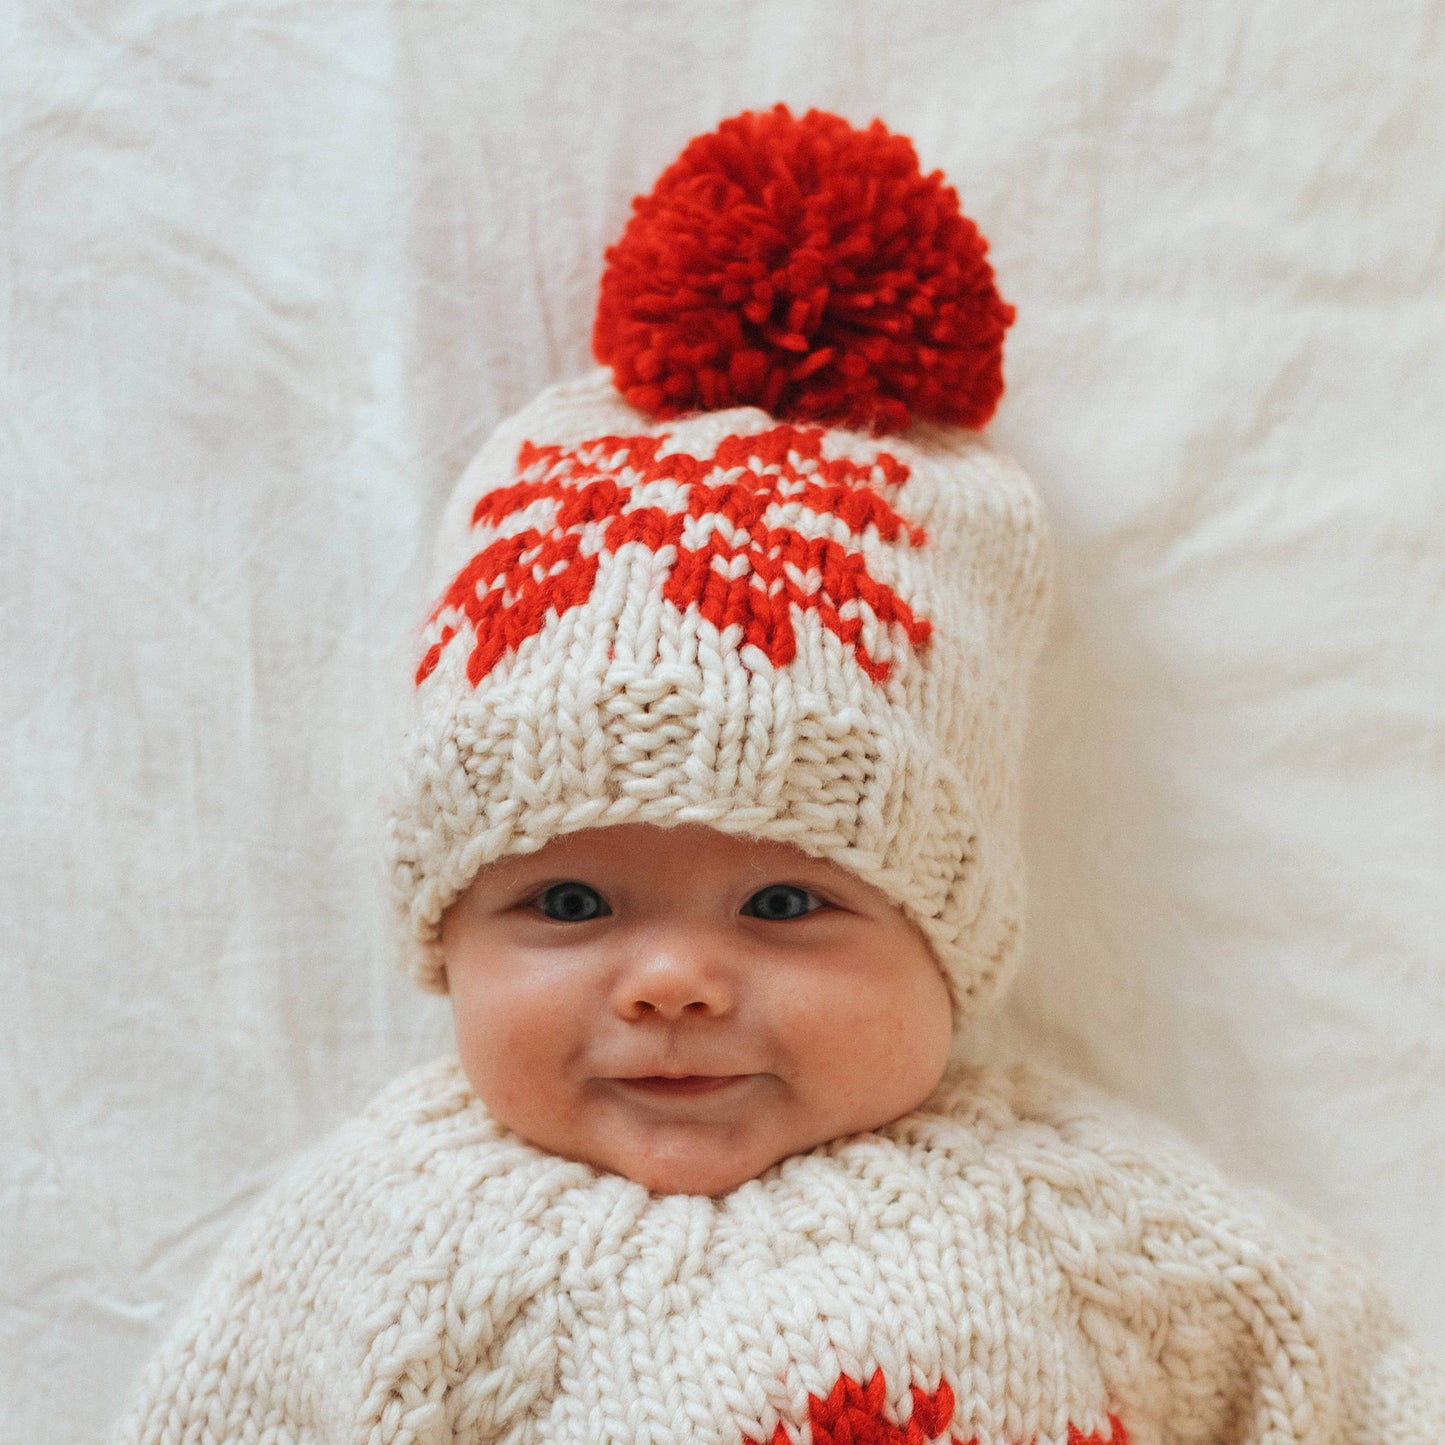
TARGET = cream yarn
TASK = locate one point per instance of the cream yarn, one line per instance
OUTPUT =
(635, 696)
(1017, 1263)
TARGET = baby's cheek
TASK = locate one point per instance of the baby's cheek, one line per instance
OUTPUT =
(842, 1040)
(892, 1047)
(887, 1039)
(491, 1036)
(523, 1038)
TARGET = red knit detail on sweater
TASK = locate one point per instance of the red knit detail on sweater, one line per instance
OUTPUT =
(808, 268)
(852, 1414)
(734, 529)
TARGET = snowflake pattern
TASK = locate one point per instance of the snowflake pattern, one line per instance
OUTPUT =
(853, 1414)
(764, 526)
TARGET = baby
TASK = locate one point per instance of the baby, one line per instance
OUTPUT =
(708, 830)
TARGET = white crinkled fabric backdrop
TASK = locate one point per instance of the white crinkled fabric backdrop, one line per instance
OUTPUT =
(270, 272)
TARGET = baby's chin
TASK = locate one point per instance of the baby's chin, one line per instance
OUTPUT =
(683, 1158)
(680, 1169)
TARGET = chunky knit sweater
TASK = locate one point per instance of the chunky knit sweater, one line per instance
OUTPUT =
(1018, 1262)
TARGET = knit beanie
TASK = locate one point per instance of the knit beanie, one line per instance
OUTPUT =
(759, 571)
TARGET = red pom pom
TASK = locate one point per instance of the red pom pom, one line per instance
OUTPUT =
(807, 268)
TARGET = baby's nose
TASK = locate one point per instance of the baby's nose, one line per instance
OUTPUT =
(673, 978)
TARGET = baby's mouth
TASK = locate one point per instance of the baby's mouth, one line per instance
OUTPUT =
(668, 1086)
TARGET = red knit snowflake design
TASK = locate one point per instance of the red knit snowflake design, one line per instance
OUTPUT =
(852, 1414)
(735, 524)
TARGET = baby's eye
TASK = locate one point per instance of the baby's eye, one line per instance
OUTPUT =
(571, 903)
(780, 901)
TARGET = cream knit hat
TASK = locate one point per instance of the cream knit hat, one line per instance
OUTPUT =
(704, 587)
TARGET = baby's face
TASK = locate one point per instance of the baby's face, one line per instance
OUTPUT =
(686, 1008)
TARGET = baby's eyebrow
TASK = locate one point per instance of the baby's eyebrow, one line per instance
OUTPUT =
(799, 875)
(493, 879)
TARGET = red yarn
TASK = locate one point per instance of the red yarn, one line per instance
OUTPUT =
(807, 268)
(852, 1414)
(755, 571)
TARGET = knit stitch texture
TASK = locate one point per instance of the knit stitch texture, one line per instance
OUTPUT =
(1018, 1262)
